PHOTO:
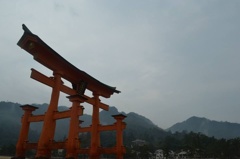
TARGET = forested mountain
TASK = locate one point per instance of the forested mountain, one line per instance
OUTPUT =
(10, 114)
(10, 119)
(208, 127)
(10, 123)
(138, 127)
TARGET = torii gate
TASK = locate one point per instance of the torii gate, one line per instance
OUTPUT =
(80, 80)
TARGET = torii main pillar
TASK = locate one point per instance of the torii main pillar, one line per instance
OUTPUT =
(95, 136)
(49, 124)
(73, 143)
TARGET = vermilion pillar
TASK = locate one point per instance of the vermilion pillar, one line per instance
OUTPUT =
(23, 137)
(120, 125)
(73, 139)
(48, 130)
(95, 136)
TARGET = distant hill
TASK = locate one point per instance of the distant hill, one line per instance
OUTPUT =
(138, 127)
(208, 127)
(10, 123)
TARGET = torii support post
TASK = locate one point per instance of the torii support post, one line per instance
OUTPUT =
(120, 125)
(119, 150)
(23, 137)
(73, 140)
(48, 130)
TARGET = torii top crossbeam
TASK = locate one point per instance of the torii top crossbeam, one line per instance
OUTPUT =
(51, 59)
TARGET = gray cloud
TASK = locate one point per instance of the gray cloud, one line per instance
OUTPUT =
(170, 59)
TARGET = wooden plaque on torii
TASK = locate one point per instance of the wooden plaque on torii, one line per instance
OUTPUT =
(80, 81)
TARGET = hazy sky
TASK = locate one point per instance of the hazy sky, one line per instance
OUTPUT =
(170, 59)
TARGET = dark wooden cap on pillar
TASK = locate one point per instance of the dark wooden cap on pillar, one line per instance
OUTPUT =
(28, 107)
(77, 97)
(119, 116)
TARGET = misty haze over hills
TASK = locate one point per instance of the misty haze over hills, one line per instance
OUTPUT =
(208, 127)
(138, 126)
(10, 121)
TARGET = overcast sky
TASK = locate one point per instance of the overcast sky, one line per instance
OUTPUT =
(170, 59)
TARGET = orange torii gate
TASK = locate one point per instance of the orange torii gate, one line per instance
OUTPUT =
(80, 81)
